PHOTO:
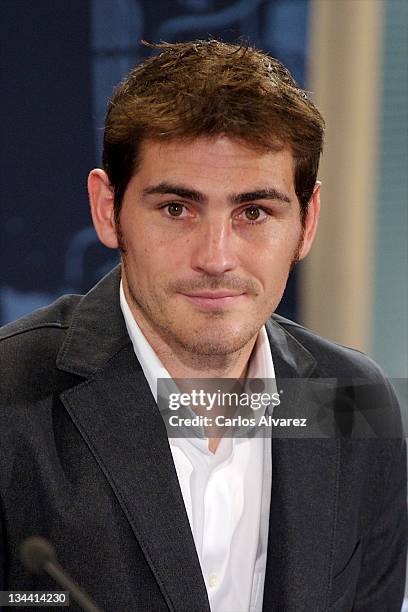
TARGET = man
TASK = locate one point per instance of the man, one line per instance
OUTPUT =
(209, 190)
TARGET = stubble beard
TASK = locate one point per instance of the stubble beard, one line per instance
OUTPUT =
(181, 338)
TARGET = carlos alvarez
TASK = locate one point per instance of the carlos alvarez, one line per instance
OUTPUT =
(237, 421)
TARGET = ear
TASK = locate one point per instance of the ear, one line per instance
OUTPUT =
(312, 217)
(101, 201)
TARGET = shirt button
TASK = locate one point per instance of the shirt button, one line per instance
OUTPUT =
(212, 580)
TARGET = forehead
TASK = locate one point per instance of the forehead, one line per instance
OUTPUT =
(215, 161)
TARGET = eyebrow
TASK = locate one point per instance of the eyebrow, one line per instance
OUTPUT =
(270, 193)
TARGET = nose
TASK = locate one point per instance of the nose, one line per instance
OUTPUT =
(214, 252)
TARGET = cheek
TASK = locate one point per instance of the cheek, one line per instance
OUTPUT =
(270, 263)
(274, 253)
(152, 262)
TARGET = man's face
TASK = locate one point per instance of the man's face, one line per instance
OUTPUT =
(208, 231)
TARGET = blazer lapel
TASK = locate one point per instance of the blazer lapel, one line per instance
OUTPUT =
(304, 495)
(118, 418)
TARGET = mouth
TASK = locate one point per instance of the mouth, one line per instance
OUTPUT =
(214, 300)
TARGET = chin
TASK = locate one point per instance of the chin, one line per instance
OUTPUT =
(221, 342)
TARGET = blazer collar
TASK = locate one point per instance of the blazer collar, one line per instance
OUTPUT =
(291, 359)
(304, 498)
(97, 331)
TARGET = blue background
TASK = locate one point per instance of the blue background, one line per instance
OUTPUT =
(59, 64)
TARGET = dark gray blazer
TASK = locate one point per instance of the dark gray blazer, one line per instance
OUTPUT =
(85, 462)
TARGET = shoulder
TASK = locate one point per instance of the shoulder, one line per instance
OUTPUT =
(359, 381)
(332, 359)
(29, 346)
(30, 328)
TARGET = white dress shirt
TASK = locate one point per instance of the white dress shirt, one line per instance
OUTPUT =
(226, 493)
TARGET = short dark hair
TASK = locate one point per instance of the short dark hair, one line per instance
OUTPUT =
(210, 88)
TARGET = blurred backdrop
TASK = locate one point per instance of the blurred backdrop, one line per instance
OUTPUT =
(59, 63)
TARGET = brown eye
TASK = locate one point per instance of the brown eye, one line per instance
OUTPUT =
(175, 209)
(252, 213)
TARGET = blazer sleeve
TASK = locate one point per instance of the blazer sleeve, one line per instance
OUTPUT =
(383, 571)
